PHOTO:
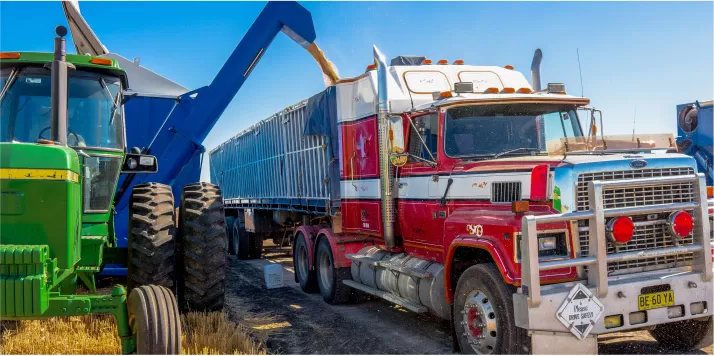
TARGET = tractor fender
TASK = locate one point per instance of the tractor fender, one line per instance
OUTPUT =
(342, 245)
(499, 257)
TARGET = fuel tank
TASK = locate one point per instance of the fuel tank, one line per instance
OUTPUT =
(402, 275)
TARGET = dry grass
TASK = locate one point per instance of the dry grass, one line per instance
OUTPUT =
(203, 333)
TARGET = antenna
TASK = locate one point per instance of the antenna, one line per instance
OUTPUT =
(633, 123)
(577, 50)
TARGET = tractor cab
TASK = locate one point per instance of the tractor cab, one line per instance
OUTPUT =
(95, 120)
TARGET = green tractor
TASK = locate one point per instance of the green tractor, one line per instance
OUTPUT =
(62, 148)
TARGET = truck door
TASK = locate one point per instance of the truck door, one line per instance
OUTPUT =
(421, 216)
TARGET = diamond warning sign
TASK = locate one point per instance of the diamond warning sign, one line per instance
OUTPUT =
(580, 311)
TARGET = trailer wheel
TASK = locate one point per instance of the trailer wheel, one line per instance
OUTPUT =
(241, 240)
(256, 245)
(329, 278)
(154, 320)
(301, 261)
(685, 335)
(229, 235)
(202, 248)
(483, 314)
(152, 244)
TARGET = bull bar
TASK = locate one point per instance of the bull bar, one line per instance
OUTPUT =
(536, 305)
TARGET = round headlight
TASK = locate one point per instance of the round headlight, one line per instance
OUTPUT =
(132, 163)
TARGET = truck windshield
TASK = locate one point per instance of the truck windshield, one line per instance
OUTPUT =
(507, 129)
(93, 108)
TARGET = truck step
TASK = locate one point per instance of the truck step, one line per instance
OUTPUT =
(387, 296)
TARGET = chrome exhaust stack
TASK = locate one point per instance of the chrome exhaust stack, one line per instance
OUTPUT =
(385, 170)
(535, 69)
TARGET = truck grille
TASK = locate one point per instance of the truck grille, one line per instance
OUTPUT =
(650, 231)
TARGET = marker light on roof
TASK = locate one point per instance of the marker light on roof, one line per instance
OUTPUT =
(101, 61)
(524, 90)
(459, 62)
(446, 94)
(9, 55)
(442, 62)
(508, 66)
(371, 67)
(426, 61)
(491, 91)
(509, 90)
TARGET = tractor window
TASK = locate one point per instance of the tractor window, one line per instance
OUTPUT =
(428, 127)
(94, 111)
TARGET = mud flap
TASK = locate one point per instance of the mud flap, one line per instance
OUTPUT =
(454, 340)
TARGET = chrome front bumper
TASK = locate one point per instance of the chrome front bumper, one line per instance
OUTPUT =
(535, 305)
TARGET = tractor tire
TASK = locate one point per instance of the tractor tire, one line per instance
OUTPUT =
(685, 335)
(306, 276)
(152, 242)
(329, 278)
(154, 319)
(241, 240)
(256, 245)
(483, 317)
(202, 248)
(230, 238)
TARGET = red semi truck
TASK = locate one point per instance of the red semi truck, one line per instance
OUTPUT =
(469, 193)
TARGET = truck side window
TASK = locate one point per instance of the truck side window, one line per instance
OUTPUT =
(428, 127)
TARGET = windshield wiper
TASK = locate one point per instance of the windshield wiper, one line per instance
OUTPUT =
(10, 81)
(531, 149)
(115, 101)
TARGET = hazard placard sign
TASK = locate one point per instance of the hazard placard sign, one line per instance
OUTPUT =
(580, 311)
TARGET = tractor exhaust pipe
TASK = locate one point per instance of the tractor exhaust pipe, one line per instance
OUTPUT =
(385, 170)
(535, 69)
(59, 69)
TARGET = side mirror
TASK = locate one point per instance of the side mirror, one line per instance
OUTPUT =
(139, 163)
(397, 150)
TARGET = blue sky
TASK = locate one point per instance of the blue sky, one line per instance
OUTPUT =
(652, 55)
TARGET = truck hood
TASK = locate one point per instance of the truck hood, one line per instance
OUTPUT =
(566, 174)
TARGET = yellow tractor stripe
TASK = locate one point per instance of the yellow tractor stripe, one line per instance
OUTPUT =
(38, 174)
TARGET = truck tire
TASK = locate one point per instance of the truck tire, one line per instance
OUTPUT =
(202, 248)
(483, 314)
(152, 244)
(154, 319)
(301, 262)
(241, 240)
(685, 335)
(256, 245)
(229, 235)
(329, 278)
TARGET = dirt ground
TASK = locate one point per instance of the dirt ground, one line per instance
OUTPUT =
(294, 322)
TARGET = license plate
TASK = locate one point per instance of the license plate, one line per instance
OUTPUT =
(655, 300)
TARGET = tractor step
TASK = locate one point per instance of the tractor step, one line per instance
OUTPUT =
(386, 296)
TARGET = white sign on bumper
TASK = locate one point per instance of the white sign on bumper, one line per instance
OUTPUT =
(580, 311)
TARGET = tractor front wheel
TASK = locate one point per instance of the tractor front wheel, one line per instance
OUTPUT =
(154, 320)
(152, 244)
(202, 248)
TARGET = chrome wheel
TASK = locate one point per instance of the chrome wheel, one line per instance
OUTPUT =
(326, 270)
(479, 321)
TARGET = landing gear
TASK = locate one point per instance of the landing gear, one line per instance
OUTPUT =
(483, 314)
(685, 335)
(301, 261)
(154, 320)
(329, 277)
(202, 247)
